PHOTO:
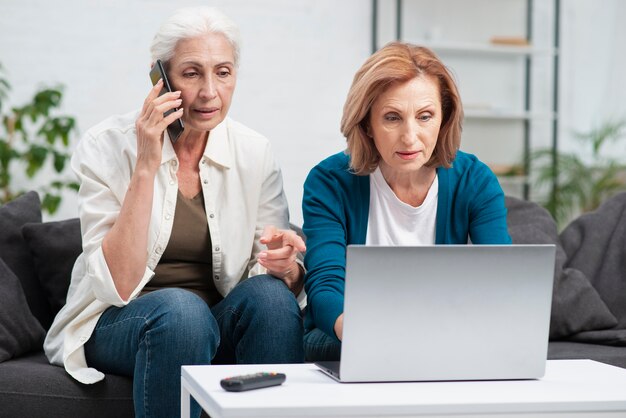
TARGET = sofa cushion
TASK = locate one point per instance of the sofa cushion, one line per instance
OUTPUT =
(576, 305)
(14, 251)
(595, 244)
(54, 247)
(20, 332)
(31, 387)
(567, 350)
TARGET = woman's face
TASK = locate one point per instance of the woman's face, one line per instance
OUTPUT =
(404, 124)
(203, 69)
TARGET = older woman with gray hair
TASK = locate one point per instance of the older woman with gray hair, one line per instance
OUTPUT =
(187, 256)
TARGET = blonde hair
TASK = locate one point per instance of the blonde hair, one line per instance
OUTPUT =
(398, 62)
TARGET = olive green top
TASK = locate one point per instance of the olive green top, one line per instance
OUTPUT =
(186, 262)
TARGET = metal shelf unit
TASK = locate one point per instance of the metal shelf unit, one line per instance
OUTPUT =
(477, 50)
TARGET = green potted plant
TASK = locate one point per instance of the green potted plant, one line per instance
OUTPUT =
(581, 181)
(31, 137)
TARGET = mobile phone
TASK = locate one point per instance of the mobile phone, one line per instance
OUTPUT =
(157, 72)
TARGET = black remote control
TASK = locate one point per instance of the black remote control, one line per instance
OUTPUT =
(252, 381)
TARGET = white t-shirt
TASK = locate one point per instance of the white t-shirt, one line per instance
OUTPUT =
(393, 222)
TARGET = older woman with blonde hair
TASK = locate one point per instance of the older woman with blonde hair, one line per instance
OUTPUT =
(401, 181)
(187, 256)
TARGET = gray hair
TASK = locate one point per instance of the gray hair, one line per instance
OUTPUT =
(190, 22)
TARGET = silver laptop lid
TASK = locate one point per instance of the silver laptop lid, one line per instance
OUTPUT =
(454, 312)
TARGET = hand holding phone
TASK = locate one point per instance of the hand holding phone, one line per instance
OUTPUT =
(157, 73)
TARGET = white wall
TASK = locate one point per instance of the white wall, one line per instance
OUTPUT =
(298, 59)
(593, 69)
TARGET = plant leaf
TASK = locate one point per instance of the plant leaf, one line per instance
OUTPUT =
(46, 99)
(59, 161)
(37, 132)
(35, 156)
(73, 186)
(51, 202)
(580, 185)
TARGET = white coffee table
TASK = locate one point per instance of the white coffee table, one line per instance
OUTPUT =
(570, 388)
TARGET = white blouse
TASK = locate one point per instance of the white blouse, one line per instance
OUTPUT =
(243, 192)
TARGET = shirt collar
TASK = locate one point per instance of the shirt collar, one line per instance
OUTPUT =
(216, 150)
(167, 151)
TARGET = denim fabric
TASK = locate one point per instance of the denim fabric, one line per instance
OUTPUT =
(319, 346)
(260, 322)
(154, 335)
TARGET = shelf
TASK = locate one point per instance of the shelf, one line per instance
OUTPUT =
(514, 185)
(495, 114)
(512, 180)
(509, 76)
(484, 48)
(511, 171)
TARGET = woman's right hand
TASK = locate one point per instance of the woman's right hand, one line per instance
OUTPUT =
(151, 124)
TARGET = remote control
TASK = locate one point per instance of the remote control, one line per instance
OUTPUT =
(252, 381)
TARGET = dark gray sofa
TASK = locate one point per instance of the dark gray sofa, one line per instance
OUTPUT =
(588, 318)
(41, 255)
(36, 259)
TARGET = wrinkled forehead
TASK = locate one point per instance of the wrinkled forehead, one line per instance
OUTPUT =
(212, 47)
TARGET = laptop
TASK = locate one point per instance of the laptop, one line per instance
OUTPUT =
(445, 313)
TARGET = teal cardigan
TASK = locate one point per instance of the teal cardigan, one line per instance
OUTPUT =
(335, 206)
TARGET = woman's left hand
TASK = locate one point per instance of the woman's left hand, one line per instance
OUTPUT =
(280, 257)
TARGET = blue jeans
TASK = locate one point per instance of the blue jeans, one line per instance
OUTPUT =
(319, 346)
(154, 335)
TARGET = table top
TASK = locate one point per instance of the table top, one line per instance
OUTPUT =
(568, 386)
